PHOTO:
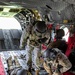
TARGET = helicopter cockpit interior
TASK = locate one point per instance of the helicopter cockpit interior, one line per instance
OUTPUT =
(58, 14)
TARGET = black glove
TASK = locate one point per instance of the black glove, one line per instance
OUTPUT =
(42, 40)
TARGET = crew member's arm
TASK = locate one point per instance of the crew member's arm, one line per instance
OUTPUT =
(23, 39)
(64, 62)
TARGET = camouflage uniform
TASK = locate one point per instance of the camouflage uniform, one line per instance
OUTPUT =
(57, 61)
(33, 45)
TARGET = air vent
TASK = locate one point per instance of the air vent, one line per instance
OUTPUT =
(14, 10)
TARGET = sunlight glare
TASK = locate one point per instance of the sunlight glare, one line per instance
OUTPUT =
(9, 23)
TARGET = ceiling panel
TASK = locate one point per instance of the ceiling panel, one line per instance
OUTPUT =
(70, 1)
(68, 13)
(37, 3)
(56, 5)
(55, 16)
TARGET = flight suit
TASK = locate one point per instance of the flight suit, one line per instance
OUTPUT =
(32, 43)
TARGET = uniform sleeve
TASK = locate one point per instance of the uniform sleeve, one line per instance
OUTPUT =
(64, 62)
(23, 39)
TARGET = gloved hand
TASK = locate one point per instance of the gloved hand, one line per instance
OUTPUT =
(42, 40)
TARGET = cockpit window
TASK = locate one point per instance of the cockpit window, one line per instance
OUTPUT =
(10, 33)
(9, 23)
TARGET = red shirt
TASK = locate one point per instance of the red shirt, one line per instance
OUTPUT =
(71, 43)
